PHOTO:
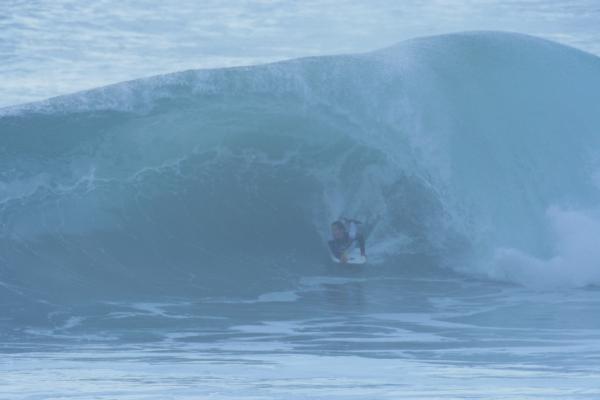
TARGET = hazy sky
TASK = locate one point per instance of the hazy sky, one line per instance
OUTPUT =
(52, 47)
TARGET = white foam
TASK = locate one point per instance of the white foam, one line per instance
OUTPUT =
(576, 249)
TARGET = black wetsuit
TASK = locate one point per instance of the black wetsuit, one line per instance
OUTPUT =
(339, 246)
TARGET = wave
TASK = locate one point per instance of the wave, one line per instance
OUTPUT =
(224, 181)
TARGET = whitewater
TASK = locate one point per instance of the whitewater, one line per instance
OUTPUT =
(166, 237)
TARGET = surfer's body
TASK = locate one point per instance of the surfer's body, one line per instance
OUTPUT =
(344, 236)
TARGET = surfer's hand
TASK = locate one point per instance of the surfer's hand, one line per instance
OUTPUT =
(344, 259)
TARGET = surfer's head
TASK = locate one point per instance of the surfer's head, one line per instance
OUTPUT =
(338, 230)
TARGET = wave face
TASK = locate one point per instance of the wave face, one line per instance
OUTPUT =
(467, 147)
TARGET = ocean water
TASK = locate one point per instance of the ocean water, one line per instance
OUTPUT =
(54, 47)
(165, 237)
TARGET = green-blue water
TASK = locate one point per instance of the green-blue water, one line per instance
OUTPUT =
(166, 236)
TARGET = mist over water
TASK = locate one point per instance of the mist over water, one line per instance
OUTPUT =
(166, 237)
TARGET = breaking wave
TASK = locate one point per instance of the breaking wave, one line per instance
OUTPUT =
(478, 149)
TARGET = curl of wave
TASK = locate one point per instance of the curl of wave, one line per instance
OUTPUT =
(225, 181)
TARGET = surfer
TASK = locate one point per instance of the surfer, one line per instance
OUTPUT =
(345, 233)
